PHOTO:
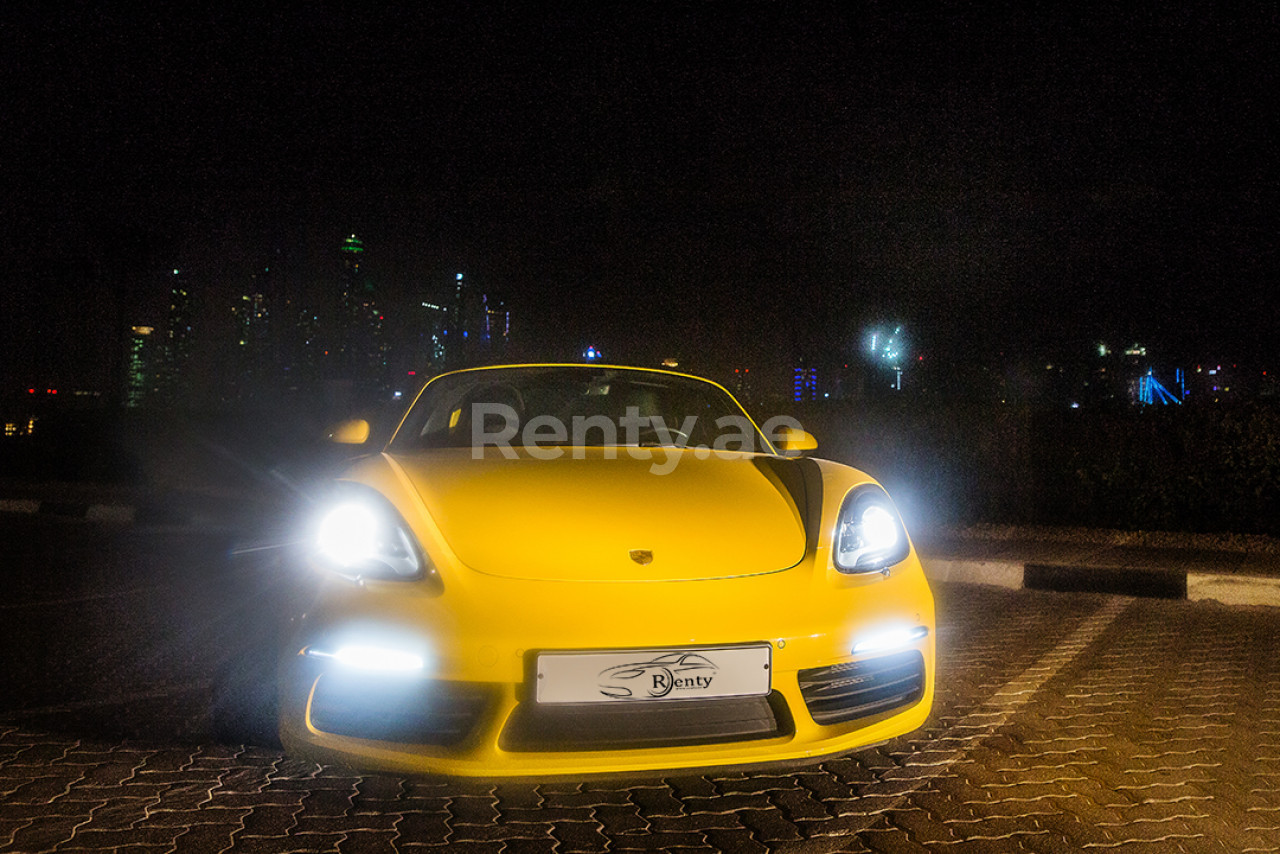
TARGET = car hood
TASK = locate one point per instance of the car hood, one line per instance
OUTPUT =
(588, 517)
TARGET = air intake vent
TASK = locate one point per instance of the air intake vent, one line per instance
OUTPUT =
(861, 689)
(390, 709)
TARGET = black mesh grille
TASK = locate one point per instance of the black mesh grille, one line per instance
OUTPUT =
(650, 723)
(406, 711)
(860, 689)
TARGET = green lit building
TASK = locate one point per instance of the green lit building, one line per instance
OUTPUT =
(140, 367)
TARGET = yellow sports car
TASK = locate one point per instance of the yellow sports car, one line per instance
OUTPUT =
(577, 569)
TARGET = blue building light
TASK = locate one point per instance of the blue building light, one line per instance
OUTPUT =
(1151, 391)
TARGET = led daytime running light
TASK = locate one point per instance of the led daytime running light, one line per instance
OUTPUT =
(891, 640)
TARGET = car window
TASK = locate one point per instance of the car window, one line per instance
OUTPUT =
(571, 405)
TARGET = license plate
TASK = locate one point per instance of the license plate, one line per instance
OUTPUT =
(653, 674)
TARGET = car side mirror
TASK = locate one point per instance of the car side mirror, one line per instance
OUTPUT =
(354, 431)
(794, 442)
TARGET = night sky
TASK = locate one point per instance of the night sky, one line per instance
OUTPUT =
(726, 183)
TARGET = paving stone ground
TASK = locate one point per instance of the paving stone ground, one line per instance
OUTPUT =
(1063, 723)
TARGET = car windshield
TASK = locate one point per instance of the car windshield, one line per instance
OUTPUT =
(572, 405)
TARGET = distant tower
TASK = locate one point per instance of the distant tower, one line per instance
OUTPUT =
(140, 367)
(253, 344)
(300, 348)
(175, 356)
(461, 312)
(361, 346)
(479, 325)
(431, 351)
(351, 253)
(497, 327)
(351, 287)
(804, 386)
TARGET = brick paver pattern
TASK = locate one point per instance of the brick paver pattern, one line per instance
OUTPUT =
(1063, 723)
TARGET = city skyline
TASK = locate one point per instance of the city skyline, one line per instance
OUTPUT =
(719, 188)
(286, 338)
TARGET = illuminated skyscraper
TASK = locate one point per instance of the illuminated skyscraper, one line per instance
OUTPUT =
(804, 384)
(497, 327)
(461, 312)
(353, 288)
(301, 350)
(478, 326)
(140, 367)
(253, 363)
(360, 351)
(175, 356)
(429, 350)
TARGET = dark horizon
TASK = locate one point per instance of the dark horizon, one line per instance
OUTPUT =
(672, 180)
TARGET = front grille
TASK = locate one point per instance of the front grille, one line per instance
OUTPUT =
(861, 689)
(390, 709)
(624, 725)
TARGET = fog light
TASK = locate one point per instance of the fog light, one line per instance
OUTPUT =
(377, 658)
(891, 639)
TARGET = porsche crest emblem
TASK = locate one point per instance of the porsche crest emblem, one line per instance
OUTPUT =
(644, 557)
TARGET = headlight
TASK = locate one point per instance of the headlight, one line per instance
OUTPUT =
(869, 535)
(361, 536)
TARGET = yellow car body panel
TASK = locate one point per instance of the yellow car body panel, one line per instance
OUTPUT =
(577, 518)
(534, 556)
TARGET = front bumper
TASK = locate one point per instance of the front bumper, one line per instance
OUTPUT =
(472, 711)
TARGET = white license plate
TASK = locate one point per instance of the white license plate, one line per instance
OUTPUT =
(653, 674)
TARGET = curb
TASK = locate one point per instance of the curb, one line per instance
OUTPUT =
(120, 513)
(145, 514)
(1225, 588)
